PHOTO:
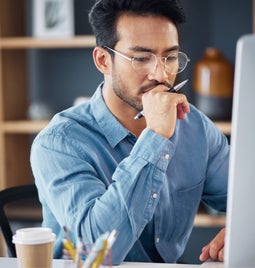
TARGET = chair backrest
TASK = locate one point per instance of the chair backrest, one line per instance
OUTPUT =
(8, 196)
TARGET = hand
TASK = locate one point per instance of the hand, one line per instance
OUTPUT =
(215, 249)
(161, 109)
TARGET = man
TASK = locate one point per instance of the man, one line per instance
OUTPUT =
(98, 169)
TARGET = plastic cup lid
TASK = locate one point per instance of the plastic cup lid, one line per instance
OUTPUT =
(34, 235)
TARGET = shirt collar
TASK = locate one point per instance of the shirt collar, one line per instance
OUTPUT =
(111, 127)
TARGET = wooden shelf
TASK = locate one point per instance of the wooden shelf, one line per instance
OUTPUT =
(224, 126)
(23, 126)
(30, 42)
(207, 220)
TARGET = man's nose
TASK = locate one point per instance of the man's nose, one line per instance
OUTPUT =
(159, 73)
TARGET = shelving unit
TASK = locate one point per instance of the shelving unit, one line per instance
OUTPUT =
(224, 127)
(16, 129)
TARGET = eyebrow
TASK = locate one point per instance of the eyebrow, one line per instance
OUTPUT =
(144, 49)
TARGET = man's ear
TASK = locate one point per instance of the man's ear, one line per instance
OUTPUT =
(102, 60)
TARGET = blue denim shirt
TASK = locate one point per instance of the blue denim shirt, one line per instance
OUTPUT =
(93, 176)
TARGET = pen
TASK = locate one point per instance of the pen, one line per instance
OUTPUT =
(100, 255)
(171, 89)
(70, 248)
(79, 248)
(69, 235)
(111, 238)
(98, 245)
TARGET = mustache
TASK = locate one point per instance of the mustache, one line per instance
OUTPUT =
(154, 84)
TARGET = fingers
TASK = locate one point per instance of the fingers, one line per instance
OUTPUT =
(211, 252)
(215, 249)
(162, 110)
(221, 255)
(182, 110)
(204, 256)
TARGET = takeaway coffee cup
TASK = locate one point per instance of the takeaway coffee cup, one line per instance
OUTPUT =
(34, 247)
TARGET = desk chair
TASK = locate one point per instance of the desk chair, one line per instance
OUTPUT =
(8, 196)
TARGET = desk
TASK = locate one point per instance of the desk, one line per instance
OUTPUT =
(12, 263)
(170, 265)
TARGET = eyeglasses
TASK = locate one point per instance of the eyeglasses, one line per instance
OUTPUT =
(146, 62)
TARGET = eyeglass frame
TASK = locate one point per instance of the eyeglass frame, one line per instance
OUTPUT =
(131, 59)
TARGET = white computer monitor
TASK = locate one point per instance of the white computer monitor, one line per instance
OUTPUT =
(240, 234)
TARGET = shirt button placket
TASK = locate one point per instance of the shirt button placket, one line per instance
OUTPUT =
(154, 196)
(167, 156)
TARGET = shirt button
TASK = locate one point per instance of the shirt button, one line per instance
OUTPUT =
(154, 195)
(167, 156)
(157, 240)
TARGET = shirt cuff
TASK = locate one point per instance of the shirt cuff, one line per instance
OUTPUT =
(154, 148)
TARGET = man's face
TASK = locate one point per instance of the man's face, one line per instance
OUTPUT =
(136, 34)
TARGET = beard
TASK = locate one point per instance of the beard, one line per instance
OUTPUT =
(121, 93)
(121, 90)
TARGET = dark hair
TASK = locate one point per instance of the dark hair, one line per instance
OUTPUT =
(105, 13)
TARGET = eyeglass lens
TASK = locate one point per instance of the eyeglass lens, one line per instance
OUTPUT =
(146, 62)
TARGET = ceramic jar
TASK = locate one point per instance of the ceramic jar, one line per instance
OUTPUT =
(213, 77)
